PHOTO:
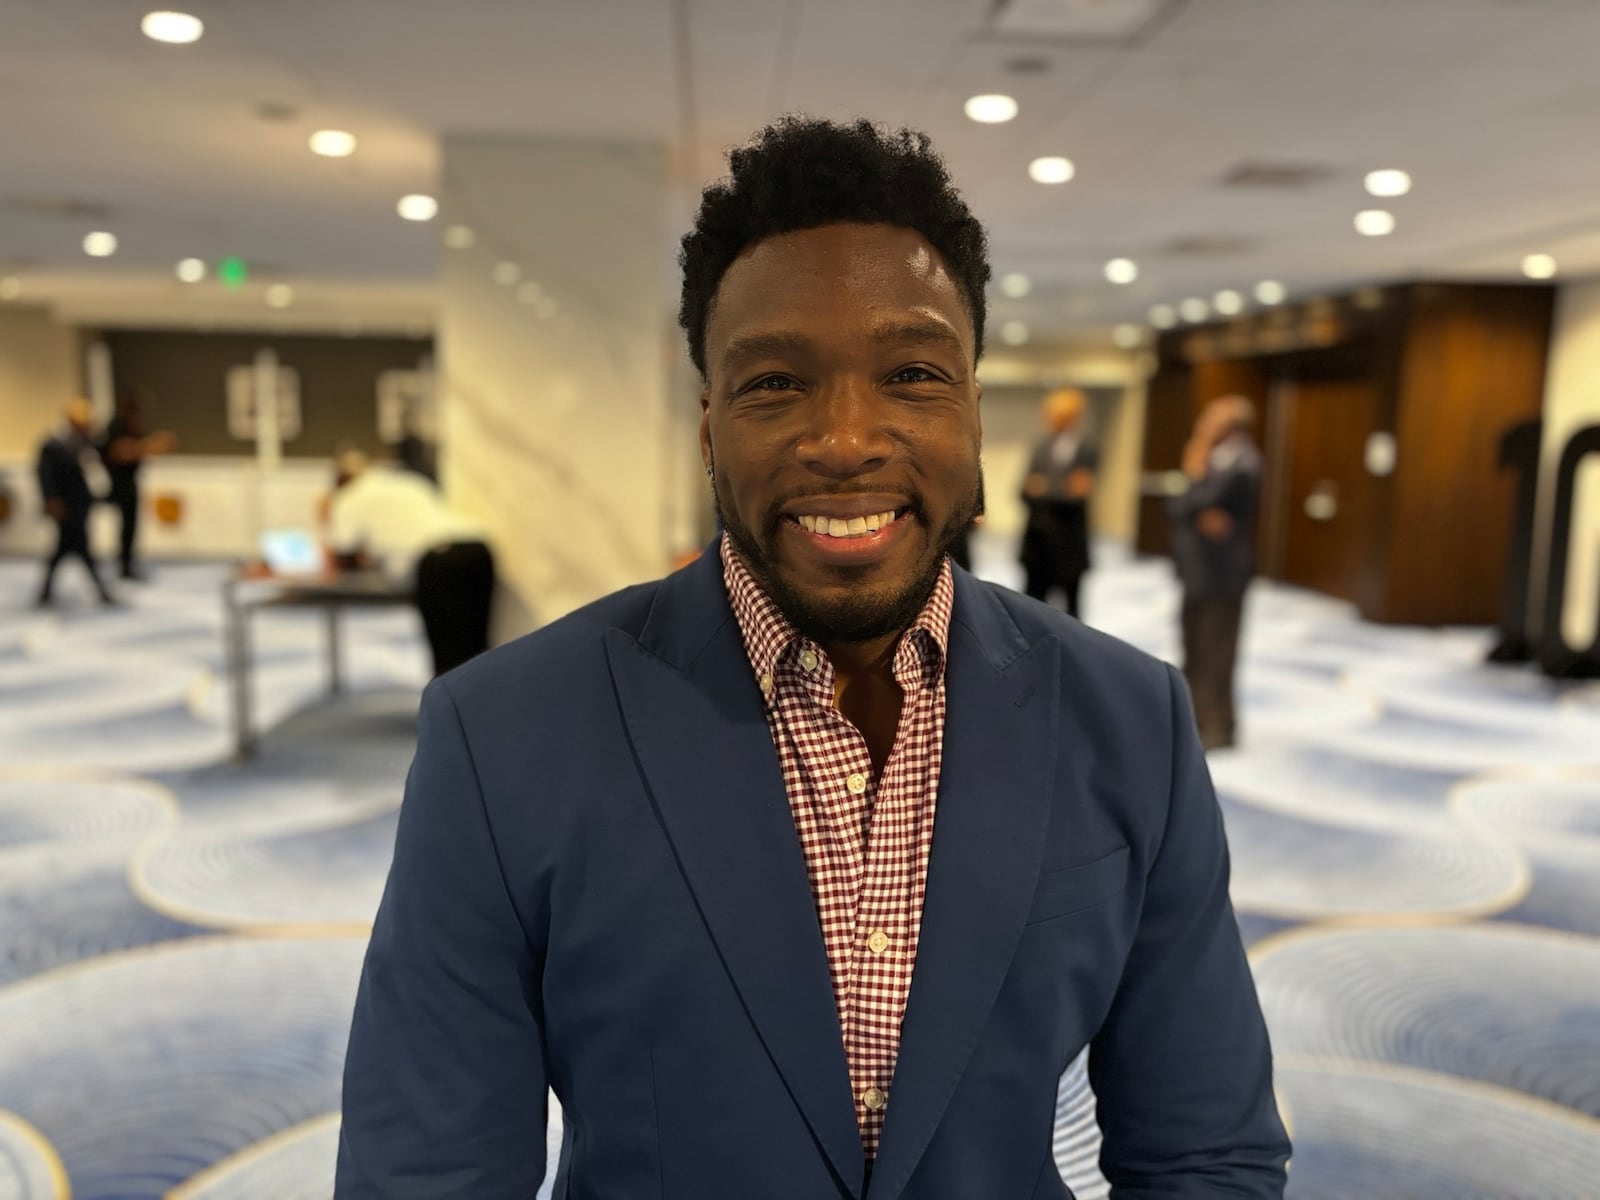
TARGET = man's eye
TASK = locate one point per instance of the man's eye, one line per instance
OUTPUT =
(913, 375)
(774, 383)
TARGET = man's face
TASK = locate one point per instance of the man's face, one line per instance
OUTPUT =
(841, 414)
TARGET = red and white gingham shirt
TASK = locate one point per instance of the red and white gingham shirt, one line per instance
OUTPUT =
(866, 840)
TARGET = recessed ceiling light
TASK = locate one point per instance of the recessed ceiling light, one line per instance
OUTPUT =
(418, 207)
(506, 273)
(1122, 270)
(1015, 285)
(280, 295)
(1374, 222)
(1163, 316)
(547, 307)
(1051, 170)
(459, 237)
(991, 109)
(1270, 291)
(333, 143)
(1127, 337)
(1539, 266)
(100, 245)
(174, 28)
(191, 270)
(1388, 183)
(530, 293)
(1228, 302)
(10, 287)
(1194, 310)
(1015, 333)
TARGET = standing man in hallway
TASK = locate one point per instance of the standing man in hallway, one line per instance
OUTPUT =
(67, 498)
(124, 449)
(805, 872)
(1055, 542)
(1214, 551)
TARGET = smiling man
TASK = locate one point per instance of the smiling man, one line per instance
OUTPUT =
(806, 871)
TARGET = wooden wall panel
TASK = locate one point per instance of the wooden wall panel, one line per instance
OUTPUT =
(1473, 365)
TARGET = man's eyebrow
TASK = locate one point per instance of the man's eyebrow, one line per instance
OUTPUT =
(763, 345)
(925, 331)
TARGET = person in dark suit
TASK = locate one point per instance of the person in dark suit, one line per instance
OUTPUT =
(124, 448)
(68, 499)
(634, 863)
(1055, 541)
(1213, 550)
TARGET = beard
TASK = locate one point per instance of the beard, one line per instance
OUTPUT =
(866, 612)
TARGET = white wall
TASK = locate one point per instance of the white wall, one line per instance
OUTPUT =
(39, 374)
(556, 430)
(1572, 400)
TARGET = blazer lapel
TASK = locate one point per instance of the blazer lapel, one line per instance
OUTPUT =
(697, 723)
(1001, 729)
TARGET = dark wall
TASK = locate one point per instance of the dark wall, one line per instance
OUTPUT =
(185, 378)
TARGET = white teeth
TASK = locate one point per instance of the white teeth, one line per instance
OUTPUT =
(854, 527)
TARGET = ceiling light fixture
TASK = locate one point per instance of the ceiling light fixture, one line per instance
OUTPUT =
(173, 28)
(991, 109)
(417, 207)
(1127, 337)
(1539, 266)
(459, 237)
(1015, 285)
(1015, 333)
(1228, 302)
(1374, 222)
(1388, 183)
(1122, 270)
(1163, 316)
(1270, 292)
(100, 245)
(1194, 310)
(1051, 170)
(191, 270)
(333, 143)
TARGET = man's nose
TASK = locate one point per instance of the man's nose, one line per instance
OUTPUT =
(847, 432)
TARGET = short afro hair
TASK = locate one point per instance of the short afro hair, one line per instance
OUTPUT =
(800, 173)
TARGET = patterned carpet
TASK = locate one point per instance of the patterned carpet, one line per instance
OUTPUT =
(1416, 844)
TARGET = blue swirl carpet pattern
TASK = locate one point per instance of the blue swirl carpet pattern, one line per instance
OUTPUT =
(1415, 838)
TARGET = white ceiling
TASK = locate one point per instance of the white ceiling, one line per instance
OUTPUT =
(1492, 105)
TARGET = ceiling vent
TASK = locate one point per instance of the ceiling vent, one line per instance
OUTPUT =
(1099, 21)
(65, 208)
(1262, 175)
(1203, 246)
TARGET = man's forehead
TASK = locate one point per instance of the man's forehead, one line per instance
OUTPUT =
(884, 262)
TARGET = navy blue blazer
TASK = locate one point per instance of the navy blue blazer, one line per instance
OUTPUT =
(597, 887)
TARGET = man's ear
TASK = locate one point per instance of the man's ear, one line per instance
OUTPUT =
(705, 429)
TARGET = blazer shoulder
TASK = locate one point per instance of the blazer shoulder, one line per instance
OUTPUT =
(1091, 661)
(554, 659)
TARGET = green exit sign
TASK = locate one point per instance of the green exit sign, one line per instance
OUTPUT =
(233, 272)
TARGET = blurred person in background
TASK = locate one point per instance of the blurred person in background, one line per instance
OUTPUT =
(389, 517)
(68, 498)
(1055, 542)
(803, 873)
(1213, 550)
(124, 447)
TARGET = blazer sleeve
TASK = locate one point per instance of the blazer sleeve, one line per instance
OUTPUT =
(444, 1083)
(1182, 1068)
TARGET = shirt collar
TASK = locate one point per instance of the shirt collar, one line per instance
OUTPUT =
(768, 635)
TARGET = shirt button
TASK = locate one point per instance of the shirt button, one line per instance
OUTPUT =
(857, 783)
(874, 1098)
(808, 660)
(878, 942)
(766, 682)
